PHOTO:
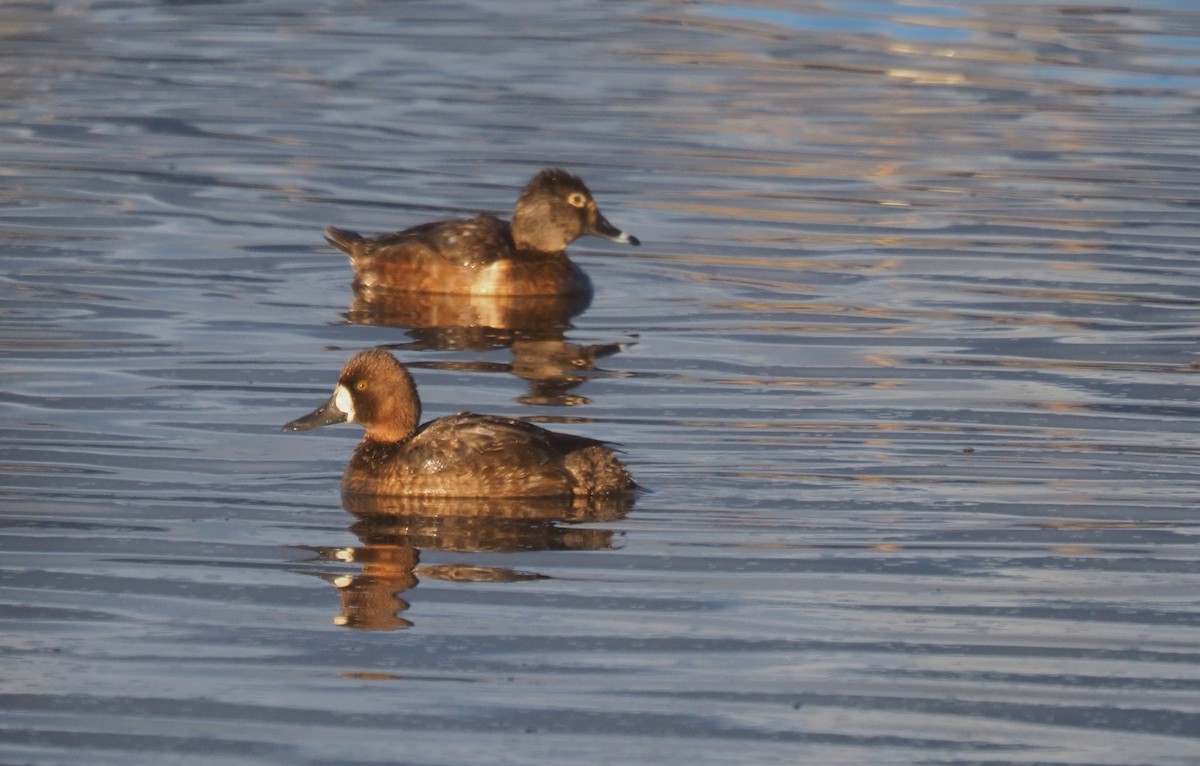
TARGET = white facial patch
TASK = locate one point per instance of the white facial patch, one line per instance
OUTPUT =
(344, 402)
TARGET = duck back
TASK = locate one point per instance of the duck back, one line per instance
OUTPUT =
(468, 455)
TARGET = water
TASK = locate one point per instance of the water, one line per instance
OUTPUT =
(907, 361)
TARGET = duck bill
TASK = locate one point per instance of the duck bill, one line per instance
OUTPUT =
(325, 415)
(602, 228)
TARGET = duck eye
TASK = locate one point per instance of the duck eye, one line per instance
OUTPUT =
(360, 385)
(577, 199)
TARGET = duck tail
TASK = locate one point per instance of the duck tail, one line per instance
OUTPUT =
(343, 239)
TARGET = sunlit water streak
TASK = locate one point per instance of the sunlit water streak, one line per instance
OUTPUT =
(907, 363)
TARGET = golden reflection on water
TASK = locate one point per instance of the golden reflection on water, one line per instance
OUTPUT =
(750, 214)
(934, 320)
(1075, 296)
(1097, 524)
(1065, 364)
(918, 77)
(516, 316)
(394, 531)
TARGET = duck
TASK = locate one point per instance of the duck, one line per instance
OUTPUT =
(462, 455)
(486, 255)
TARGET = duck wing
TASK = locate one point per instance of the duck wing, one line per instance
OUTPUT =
(474, 242)
(494, 453)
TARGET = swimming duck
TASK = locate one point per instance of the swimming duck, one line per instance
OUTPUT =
(486, 255)
(463, 455)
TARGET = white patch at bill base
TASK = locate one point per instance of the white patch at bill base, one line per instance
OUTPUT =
(344, 402)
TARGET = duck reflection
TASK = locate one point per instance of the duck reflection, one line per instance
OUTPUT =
(394, 530)
(533, 327)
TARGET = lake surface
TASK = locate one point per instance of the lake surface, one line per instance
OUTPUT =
(907, 362)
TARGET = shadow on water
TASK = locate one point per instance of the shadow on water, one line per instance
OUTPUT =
(533, 327)
(394, 531)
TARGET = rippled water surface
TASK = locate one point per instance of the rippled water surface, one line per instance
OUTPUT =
(907, 362)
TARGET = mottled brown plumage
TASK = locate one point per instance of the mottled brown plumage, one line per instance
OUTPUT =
(485, 255)
(463, 455)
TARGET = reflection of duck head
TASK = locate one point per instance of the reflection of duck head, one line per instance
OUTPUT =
(554, 368)
(369, 599)
(533, 326)
(392, 529)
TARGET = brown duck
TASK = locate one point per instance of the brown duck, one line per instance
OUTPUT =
(463, 455)
(486, 255)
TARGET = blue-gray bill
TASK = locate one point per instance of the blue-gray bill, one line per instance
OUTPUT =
(325, 415)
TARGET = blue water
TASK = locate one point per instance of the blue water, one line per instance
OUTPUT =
(907, 362)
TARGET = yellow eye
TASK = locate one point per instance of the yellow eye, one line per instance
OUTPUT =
(577, 199)
(360, 385)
